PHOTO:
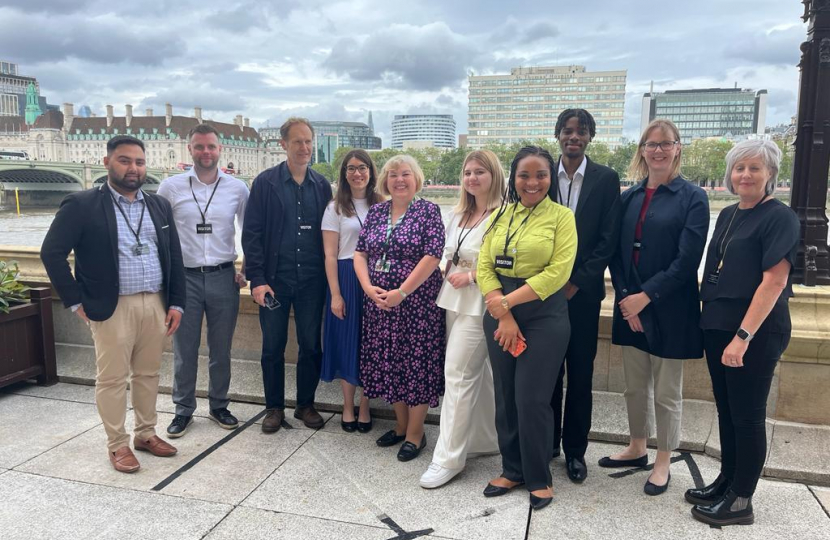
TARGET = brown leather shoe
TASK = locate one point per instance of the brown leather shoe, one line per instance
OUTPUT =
(273, 420)
(310, 417)
(156, 446)
(123, 460)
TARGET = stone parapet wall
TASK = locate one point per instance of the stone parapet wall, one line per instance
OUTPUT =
(800, 391)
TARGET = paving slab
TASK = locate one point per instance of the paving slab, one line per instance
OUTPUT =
(799, 452)
(611, 508)
(84, 458)
(80, 393)
(610, 421)
(823, 496)
(39, 507)
(350, 479)
(253, 524)
(33, 425)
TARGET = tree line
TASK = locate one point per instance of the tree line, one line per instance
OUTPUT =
(704, 160)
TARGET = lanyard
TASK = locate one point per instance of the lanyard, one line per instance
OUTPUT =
(462, 237)
(390, 228)
(358, 215)
(721, 248)
(127, 220)
(508, 236)
(204, 214)
(570, 187)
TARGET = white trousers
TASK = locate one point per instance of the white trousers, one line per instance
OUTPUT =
(468, 411)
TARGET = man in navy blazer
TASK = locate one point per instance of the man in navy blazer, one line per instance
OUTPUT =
(128, 287)
(284, 261)
(592, 191)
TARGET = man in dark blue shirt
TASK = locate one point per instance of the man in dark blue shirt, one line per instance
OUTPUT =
(284, 262)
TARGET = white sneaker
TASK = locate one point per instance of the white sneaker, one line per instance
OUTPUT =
(436, 476)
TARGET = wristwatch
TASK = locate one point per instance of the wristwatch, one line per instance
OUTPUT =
(504, 303)
(744, 336)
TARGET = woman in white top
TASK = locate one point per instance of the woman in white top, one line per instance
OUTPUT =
(341, 226)
(468, 410)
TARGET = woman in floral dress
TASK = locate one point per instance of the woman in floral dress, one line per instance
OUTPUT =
(402, 335)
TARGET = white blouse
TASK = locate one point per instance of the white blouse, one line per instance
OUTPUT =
(466, 300)
(347, 227)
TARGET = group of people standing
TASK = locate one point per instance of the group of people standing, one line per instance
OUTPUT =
(489, 307)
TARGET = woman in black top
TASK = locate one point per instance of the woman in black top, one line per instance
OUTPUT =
(746, 323)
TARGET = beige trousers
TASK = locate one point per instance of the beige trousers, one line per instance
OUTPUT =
(653, 380)
(129, 345)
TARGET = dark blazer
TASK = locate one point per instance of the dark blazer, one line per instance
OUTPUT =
(262, 229)
(86, 223)
(673, 238)
(597, 227)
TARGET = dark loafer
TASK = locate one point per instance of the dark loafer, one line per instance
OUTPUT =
(654, 489)
(273, 420)
(577, 470)
(609, 463)
(390, 438)
(537, 503)
(409, 451)
(709, 494)
(498, 491)
(720, 513)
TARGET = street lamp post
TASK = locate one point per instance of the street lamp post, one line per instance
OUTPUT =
(812, 148)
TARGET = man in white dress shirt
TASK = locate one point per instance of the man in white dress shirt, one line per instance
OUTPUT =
(205, 203)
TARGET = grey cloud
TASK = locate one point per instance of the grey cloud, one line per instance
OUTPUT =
(519, 32)
(780, 47)
(49, 6)
(189, 96)
(427, 57)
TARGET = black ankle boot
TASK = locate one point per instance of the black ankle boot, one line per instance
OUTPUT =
(709, 494)
(721, 512)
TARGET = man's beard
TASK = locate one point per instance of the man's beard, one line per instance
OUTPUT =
(127, 184)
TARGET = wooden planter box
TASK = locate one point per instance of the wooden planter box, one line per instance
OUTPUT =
(27, 341)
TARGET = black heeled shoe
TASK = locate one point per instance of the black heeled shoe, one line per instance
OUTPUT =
(497, 491)
(709, 494)
(654, 489)
(364, 427)
(537, 503)
(348, 427)
(721, 513)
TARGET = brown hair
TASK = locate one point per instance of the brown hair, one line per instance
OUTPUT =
(343, 198)
(204, 129)
(291, 122)
(638, 169)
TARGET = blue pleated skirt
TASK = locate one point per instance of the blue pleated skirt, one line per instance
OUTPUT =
(341, 338)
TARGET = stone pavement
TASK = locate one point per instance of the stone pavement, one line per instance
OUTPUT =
(56, 482)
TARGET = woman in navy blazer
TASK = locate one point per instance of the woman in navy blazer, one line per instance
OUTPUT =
(657, 311)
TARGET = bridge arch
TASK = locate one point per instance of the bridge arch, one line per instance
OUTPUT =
(30, 177)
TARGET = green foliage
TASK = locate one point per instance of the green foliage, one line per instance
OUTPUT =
(12, 291)
(704, 161)
(325, 169)
(620, 158)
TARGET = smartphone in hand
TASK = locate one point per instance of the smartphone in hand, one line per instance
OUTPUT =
(271, 302)
(518, 348)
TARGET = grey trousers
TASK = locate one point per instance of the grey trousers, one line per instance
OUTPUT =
(215, 297)
(652, 379)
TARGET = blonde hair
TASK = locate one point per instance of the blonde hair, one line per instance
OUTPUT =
(638, 169)
(393, 164)
(490, 161)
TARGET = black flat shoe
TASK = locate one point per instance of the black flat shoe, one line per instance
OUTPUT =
(577, 470)
(409, 451)
(364, 427)
(720, 513)
(709, 494)
(654, 489)
(537, 503)
(556, 453)
(390, 438)
(498, 491)
(610, 463)
(349, 427)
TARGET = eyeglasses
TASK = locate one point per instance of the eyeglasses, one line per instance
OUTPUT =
(361, 169)
(665, 146)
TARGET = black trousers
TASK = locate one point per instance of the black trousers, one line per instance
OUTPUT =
(524, 386)
(579, 363)
(308, 320)
(741, 399)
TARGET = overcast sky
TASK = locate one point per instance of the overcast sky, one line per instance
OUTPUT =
(336, 60)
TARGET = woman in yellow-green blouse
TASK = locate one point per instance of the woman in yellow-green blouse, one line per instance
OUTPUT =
(525, 260)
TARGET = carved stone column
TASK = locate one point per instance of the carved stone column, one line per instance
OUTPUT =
(812, 147)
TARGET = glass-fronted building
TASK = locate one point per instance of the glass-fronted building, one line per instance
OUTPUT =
(423, 130)
(524, 104)
(331, 135)
(733, 113)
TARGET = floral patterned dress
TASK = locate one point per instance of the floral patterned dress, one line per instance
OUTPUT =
(402, 350)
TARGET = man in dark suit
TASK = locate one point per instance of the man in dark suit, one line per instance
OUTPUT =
(128, 287)
(592, 191)
(284, 261)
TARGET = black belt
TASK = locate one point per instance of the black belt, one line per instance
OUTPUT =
(209, 269)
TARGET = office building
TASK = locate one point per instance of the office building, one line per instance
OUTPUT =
(524, 104)
(331, 135)
(732, 113)
(423, 130)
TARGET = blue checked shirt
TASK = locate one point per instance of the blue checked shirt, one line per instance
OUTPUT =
(136, 273)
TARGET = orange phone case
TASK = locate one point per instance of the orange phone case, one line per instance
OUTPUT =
(519, 348)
